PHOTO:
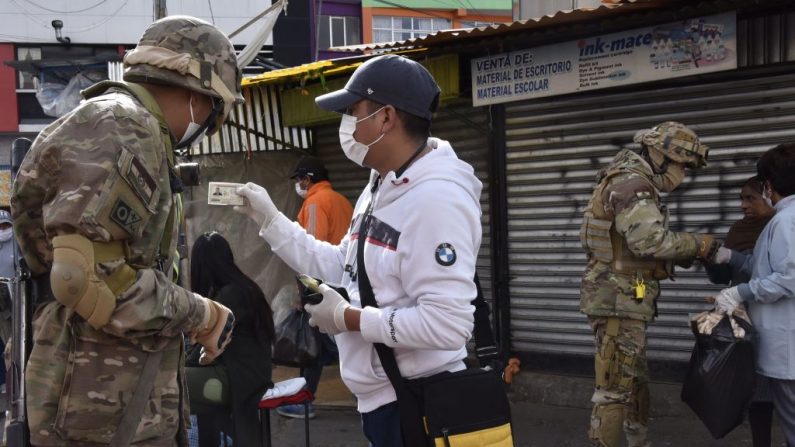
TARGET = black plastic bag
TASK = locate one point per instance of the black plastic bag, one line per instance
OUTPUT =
(297, 343)
(722, 375)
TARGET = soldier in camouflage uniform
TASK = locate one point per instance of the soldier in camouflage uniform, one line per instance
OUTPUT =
(630, 249)
(95, 216)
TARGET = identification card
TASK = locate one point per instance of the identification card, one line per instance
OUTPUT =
(222, 193)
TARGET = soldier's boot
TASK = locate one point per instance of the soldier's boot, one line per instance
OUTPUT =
(637, 434)
(606, 425)
(636, 424)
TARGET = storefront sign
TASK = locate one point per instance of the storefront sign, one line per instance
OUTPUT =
(693, 46)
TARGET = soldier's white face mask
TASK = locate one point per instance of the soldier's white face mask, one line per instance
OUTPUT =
(191, 135)
(6, 234)
(300, 191)
(353, 149)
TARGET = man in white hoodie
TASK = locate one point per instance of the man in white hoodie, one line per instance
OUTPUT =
(421, 240)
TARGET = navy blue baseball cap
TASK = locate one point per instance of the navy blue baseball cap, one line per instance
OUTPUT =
(390, 79)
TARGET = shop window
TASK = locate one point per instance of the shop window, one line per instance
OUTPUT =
(27, 80)
(389, 28)
(338, 31)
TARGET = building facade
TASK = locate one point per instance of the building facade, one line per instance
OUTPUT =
(389, 21)
(89, 37)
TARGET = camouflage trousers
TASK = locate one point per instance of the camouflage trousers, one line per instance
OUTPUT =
(621, 396)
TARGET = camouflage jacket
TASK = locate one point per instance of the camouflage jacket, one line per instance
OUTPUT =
(638, 247)
(102, 171)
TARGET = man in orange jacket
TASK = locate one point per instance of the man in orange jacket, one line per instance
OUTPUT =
(326, 215)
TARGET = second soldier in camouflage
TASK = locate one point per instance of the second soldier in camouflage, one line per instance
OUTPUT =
(630, 249)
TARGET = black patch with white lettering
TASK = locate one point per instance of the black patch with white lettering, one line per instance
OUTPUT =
(124, 216)
(143, 183)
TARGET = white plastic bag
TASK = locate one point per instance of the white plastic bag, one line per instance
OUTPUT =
(58, 99)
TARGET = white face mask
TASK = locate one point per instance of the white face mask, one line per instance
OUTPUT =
(354, 150)
(5, 234)
(193, 128)
(300, 191)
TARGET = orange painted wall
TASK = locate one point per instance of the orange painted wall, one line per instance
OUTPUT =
(455, 16)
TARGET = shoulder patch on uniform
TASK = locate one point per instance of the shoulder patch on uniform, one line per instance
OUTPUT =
(136, 174)
(124, 215)
(140, 179)
(625, 192)
(445, 254)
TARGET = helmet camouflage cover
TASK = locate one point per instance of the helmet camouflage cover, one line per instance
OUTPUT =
(676, 142)
(187, 52)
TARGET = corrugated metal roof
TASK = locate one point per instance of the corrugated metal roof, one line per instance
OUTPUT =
(557, 19)
(314, 70)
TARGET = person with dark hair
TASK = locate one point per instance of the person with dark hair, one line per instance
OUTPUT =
(742, 237)
(247, 358)
(770, 292)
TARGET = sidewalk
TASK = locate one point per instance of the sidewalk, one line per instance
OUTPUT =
(535, 425)
(548, 411)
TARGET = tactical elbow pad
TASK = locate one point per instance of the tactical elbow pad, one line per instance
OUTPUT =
(75, 283)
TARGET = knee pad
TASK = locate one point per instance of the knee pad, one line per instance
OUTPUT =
(607, 425)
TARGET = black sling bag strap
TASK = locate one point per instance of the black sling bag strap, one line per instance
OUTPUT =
(411, 422)
(135, 408)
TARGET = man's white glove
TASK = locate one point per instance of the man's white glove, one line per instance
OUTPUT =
(727, 300)
(259, 205)
(723, 256)
(329, 315)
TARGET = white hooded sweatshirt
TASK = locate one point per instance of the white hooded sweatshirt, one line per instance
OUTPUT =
(420, 254)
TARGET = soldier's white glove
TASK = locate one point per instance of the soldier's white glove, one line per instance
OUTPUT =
(259, 205)
(329, 315)
(723, 256)
(728, 300)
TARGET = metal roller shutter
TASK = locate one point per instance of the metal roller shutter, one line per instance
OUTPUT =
(466, 129)
(555, 147)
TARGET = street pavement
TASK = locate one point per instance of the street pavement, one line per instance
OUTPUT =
(534, 425)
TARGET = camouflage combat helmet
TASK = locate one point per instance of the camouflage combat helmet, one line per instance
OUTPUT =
(676, 142)
(187, 52)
